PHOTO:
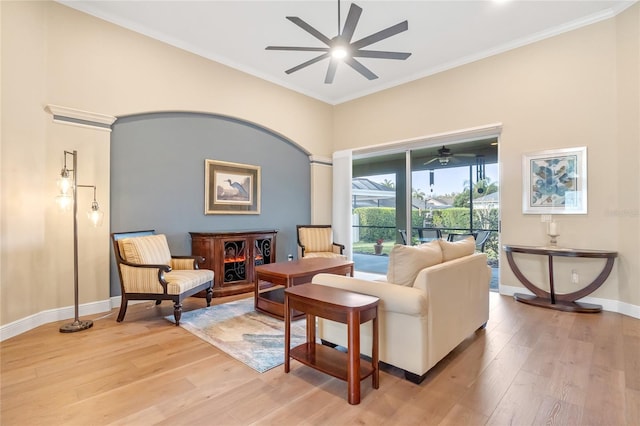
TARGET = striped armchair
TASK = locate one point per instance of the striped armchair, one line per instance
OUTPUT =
(317, 241)
(149, 272)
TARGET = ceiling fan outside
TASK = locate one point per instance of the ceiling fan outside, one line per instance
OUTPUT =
(445, 155)
(341, 48)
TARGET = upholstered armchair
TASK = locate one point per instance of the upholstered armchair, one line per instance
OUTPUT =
(149, 272)
(317, 241)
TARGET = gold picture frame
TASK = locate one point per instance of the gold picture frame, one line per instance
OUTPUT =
(231, 188)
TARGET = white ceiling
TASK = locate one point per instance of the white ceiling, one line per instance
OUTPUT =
(441, 34)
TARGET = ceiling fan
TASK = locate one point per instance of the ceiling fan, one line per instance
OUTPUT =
(341, 48)
(445, 155)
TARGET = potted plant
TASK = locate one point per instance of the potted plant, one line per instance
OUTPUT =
(377, 247)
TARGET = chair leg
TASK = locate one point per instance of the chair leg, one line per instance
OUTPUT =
(177, 312)
(158, 302)
(123, 309)
(209, 296)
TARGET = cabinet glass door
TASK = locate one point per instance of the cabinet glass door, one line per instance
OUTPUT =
(235, 261)
(263, 249)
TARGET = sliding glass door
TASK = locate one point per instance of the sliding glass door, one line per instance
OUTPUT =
(419, 194)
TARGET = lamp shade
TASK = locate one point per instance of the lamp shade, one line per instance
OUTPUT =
(65, 182)
(64, 201)
(95, 215)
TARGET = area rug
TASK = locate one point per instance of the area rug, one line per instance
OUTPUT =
(237, 329)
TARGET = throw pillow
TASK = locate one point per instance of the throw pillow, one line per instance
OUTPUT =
(406, 261)
(456, 249)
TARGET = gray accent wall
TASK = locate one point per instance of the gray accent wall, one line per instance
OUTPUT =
(157, 178)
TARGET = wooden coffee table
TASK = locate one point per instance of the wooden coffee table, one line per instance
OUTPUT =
(342, 306)
(288, 274)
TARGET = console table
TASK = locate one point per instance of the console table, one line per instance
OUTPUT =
(549, 299)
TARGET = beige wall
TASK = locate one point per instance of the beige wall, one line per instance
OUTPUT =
(576, 89)
(626, 207)
(580, 88)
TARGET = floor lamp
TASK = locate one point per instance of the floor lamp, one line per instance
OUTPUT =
(68, 197)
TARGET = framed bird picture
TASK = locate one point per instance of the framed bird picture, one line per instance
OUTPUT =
(555, 181)
(231, 188)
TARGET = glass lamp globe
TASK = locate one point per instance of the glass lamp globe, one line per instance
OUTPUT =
(95, 215)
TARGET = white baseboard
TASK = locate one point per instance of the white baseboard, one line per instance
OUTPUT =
(607, 304)
(52, 315)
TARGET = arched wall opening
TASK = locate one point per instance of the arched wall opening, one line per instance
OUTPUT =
(157, 178)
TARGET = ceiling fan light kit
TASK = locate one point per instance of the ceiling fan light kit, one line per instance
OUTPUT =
(445, 155)
(341, 49)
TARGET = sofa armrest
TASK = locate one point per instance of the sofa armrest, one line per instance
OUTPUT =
(458, 296)
(393, 298)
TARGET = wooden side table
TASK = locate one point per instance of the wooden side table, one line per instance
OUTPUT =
(342, 306)
(564, 302)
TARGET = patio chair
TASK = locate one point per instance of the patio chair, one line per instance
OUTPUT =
(429, 234)
(403, 235)
(481, 239)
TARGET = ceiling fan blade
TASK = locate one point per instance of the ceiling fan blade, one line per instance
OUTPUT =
(431, 161)
(380, 35)
(463, 155)
(308, 28)
(380, 54)
(352, 21)
(307, 63)
(300, 49)
(331, 71)
(366, 72)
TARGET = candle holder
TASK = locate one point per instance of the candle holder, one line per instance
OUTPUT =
(553, 241)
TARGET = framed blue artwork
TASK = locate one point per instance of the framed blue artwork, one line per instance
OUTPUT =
(555, 181)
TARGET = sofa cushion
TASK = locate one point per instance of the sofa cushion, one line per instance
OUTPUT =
(456, 249)
(406, 261)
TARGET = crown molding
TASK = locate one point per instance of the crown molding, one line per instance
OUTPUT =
(76, 117)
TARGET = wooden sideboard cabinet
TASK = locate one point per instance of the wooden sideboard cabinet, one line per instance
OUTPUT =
(232, 256)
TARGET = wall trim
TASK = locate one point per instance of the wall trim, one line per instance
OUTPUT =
(325, 161)
(444, 138)
(76, 117)
(607, 304)
(52, 315)
(59, 314)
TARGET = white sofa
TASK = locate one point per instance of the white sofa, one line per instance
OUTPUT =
(436, 295)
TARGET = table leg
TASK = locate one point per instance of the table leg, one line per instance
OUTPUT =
(552, 290)
(311, 328)
(287, 333)
(353, 354)
(374, 354)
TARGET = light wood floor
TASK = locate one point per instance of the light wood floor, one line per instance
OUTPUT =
(531, 366)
